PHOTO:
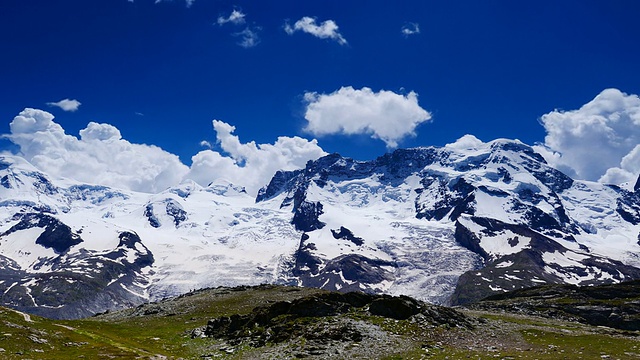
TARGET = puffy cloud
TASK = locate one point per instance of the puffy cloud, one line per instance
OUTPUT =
(467, 142)
(248, 37)
(410, 29)
(599, 141)
(326, 30)
(384, 115)
(66, 104)
(99, 156)
(627, 171)
(236, 17)
(206, 144)
(95, 131)
(249, 164)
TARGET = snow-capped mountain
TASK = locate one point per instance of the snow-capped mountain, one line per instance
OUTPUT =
(447, 225)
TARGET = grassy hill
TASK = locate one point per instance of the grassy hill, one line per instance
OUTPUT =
(275, 322)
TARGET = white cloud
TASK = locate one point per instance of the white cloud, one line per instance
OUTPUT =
(66, 104)
(466, 142)
(95, 131)
(384, 115)
(236, 17)
(101, 156)
(326, 30)
(248, 37)
(206, 144)
(627, 172)
(410, 29)
(248, 164)
(599, 141)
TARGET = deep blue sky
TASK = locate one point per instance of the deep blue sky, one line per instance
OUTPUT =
(488, 68)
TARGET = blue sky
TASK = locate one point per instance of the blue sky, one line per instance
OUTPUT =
(161, 71)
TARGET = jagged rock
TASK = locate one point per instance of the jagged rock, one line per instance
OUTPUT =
(346, 234)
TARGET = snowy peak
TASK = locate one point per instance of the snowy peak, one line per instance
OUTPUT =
(502, 194)
(446, 225)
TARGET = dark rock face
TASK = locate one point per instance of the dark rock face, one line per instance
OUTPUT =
(636, 187)
(305, 217)
(42, 184)
(360, 272)
(175, 210)
(527, 267)
(628, 206)
(148, 213)
(346, 234)
(131, 242)
(171, 208)
(6, 182)
(279, 182)
(56, 235)
(450, 197)
(97, 194)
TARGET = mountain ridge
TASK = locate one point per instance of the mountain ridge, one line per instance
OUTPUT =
(446, 225)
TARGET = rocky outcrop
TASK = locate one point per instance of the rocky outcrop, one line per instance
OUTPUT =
(616, 305)
(286, 320)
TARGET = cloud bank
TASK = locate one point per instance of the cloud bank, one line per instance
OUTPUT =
(384, 115)
(326, 30)
(101, 156)
(598, 142)
(251, 165)
(66, 104)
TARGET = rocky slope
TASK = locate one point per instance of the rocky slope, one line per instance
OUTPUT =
(444, 225)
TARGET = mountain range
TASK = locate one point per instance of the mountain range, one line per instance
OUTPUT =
(448, 225)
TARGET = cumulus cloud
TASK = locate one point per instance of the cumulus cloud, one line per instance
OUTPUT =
(101, 156)
(248, 37)
(66, 104)
(326, 30)
(599, 141)
(206, 144)
(236, 17)
(466, 142)
(410, 29)
(249, 164)
(384, 115)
